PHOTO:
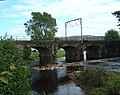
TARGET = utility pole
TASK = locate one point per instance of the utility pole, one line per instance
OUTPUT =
(66, 23)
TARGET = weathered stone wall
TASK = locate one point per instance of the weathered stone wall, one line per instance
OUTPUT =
(74, 49)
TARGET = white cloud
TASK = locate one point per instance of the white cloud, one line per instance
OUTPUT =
(96, 14)
(21, 7)
(20, 32)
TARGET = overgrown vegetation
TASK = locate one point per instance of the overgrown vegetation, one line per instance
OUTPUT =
(14, 72)
(97, 81)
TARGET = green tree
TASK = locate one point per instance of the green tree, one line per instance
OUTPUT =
(14, 72)
(41, 26)
(117, 14)
(112, 35)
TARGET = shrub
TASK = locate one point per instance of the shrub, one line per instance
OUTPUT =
(92, 77)
(26, 53)
(14, 72)
(112, 82)
(97, 81)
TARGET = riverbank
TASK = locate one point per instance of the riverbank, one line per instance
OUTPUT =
(113, 84)
(109, 81)
(73, 80)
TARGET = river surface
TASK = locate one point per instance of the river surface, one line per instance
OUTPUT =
(69, 87)
(64, 88)
(109, 64)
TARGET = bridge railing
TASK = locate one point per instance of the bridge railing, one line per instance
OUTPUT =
(89, 38)
(16, 38)
(74, 38)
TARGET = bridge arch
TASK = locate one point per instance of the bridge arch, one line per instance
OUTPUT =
(93, 52)
(45, 56)
(72, 54)
(111, 50)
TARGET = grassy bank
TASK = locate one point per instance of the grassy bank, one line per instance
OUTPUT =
(96, 81)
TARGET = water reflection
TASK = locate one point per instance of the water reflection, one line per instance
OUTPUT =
(47, 87)
(61, 60)
(68, 88)
(44, 87)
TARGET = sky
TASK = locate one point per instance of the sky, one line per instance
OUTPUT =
(96, 15)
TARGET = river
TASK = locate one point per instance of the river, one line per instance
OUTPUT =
(110, 64)
(69, 87)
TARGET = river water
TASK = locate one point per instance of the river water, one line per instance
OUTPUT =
(112, 64)
(69, 87)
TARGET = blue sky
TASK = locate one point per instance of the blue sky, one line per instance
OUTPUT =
(96, 15)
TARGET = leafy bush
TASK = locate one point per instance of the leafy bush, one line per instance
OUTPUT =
(26, 53)
(14, 72)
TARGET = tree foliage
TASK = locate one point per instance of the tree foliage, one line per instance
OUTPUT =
(41, 26)
(14, 72)
(117, 14)
(112, 35)
(26, 53)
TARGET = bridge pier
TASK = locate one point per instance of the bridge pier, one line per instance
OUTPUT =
(45, 56)
(54, 58)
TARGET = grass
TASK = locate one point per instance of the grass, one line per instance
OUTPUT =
(60, 53)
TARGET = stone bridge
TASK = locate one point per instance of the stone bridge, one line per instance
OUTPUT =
(74, 49)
